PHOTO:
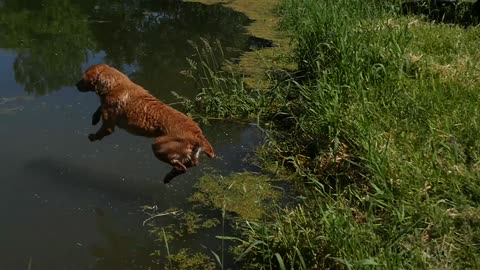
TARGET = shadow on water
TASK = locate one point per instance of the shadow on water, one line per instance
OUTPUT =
(121, 247)
(84, 178)
(120, 250)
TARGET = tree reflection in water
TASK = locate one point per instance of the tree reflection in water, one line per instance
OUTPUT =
(53, 39)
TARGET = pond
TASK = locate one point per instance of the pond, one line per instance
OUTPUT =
(71, 204)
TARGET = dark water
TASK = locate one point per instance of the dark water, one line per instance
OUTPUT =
(66, 203)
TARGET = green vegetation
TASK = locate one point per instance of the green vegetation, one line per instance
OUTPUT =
(239, 197)
(190, 261)
(379, 127)
(256, 63)
(244, 194)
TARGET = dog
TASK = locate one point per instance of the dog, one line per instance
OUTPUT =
(178, 140)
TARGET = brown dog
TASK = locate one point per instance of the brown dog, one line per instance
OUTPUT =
(178, 139)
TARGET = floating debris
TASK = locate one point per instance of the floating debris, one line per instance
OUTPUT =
(11, 110)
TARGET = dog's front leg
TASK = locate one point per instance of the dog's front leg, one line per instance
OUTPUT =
(107, 128)
(96, 116)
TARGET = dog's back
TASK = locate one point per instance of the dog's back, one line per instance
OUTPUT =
(142, 114)
(178, 139)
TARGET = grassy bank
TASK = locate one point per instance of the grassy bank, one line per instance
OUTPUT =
(381, 131)
(256, 65)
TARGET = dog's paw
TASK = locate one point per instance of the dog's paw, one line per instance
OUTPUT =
(166, 180)
(92, 137)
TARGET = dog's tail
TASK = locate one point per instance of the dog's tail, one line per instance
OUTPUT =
(206, 147)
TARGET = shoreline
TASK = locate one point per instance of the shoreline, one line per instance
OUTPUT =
(255, 64)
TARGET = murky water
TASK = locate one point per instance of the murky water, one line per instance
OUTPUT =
(67, 203)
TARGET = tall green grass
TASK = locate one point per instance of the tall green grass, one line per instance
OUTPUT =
(382, 128)
(222, 93)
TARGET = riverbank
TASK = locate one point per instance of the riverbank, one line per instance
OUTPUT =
(379, 131)
(257, 64)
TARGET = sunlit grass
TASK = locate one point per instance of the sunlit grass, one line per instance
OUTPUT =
(381, 128)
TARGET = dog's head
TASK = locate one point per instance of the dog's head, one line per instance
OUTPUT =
(98, 79)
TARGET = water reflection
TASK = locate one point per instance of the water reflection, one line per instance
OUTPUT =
(53, 39)
(50, 39)
(53, 177)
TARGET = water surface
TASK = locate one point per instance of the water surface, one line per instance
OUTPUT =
(67, 203)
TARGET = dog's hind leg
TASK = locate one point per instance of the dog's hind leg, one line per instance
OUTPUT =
(176, 152)
(176, 171)
(206, 147)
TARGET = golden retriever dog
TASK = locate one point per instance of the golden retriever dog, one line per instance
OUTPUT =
(178, 139)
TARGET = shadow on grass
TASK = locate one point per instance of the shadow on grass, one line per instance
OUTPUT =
(445, 11)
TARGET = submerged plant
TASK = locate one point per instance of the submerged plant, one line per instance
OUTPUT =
(245, 195)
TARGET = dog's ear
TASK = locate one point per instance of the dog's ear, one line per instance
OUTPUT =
(106, 79)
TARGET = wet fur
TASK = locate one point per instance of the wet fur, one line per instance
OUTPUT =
(178, 140)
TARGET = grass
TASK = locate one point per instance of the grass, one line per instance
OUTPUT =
(255, 64)
(222, 92)
(380, 131)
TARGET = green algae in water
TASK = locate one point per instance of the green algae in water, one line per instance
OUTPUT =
(186, 259)
(245, 194)
(191, 222)
(185, 224)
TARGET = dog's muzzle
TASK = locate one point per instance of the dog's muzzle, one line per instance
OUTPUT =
(81, 86)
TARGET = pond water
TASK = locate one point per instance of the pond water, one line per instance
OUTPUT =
(67, 203)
